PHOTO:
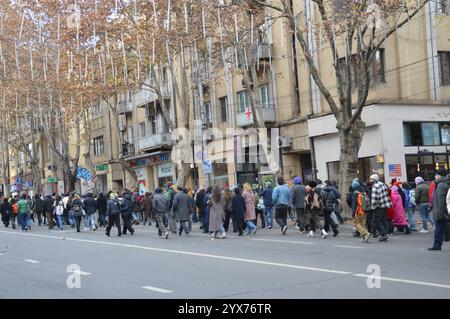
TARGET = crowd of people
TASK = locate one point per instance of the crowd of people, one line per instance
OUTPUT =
(377, 209)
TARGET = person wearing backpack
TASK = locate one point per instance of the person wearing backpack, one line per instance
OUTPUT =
(314, 206)
(14, 213)
(360, 204)
(48, 210)
(59, 211)
(76, 206)
(330, 199)
(410, 205)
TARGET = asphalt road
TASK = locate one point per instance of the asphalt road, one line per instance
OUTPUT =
(268, 265)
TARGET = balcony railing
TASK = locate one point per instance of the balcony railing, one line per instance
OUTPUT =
(155, 140)
(268, 115)
(263, 51)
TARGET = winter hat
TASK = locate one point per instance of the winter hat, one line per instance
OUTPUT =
(442, 172)
(112, 196)
(356, 184)
(375, 177)
(297, 180)
(419, 180)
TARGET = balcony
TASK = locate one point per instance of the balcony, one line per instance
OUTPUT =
(268, 115)
(125, 106)
(147, 95)
(263, 51)
(156, 140)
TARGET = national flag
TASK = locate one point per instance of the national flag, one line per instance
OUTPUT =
(395, 170)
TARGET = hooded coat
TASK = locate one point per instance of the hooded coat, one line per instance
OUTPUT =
(398, 217)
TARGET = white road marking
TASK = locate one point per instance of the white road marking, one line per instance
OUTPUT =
(406, 281)
(31, 261)
(284, 241)
(343, 246)
(422, 283)
(161, 290)
(83, 273)
(1, 254)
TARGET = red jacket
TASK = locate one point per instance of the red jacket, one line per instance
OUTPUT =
(431, 193)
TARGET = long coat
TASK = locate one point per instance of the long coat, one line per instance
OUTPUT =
(216, 214)
(249, 199)
(181, 206)
(398, 218)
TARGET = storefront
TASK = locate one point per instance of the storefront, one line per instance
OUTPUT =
(165, 174)
(101, 172)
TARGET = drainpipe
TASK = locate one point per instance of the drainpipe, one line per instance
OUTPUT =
(433, 67)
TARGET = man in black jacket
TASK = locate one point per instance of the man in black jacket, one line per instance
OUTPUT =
(126, 212)
(200, 205)
(38, 207)
(90, 209)
(441, 214)
(102, 207)
(113, 213)
(48, 210)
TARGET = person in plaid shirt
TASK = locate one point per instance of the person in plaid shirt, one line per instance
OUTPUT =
(380, 203)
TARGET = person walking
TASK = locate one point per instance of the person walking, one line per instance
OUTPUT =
(127, 212)
(217, 213)
(181, 207)
(422, 194)
(200, 205)
(170, 214)
(206, 214)
(147, 208)
(250, 215)
(160, 205)
(113, 213)
(410, 205)
(38, 208)
(268, 204)
(102, 207)
(330, 199)
(76, 206)
(24, 210)
(281, 198)
(90, 208)
(6, 212)
(228, 196)
(48, 210)
(298, 194)
(360, 203)
(441, 208)
(398, 219)
(314, 206)
(14, 213)
(59, 211)
(380, 202)
(137, 208)
(238, 210)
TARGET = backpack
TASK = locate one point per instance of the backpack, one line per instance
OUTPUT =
(59, 210)
(330, 200)
(15, 209)
(365, 202)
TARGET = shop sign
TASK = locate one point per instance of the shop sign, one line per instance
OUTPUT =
(207, 167)
(165, 170)
(52, 179)
(101, 167)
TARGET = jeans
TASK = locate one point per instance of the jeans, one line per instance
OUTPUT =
(380, 223)
(127, 224)
(172, 222)
(411, 220)
(39, 217)
(424, 210)
(23, 221)
(102, 219)
(12, 219)
(281, 216)
(28, 221)
(206, 220)
(137, 216)
(439, 232)
(268, 212)
(329, 222)
(59, 219)
(89, 220)
(250, 226)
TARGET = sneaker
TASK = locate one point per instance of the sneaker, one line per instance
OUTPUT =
(311, 234)
(435, 248)
(424, 231)
(166, 235)
(107, 234)
(284, 230)
(366, 238)
(324, 234)
(297, 227)
(384, 238)
(223, 236)
(254, 230)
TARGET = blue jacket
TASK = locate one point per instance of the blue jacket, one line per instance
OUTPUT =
(267, 196)
(281, 196)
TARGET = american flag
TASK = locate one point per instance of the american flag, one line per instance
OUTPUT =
(395, 170)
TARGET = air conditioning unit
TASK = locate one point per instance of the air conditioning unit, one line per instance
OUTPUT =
(285, 142)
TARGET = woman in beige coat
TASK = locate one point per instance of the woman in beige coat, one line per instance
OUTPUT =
(216, 213)
(249, 216)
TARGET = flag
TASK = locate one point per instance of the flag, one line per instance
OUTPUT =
(395, 170)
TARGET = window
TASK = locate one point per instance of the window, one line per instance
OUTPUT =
(412, 135)
(98, 146)
(426, 134)
(152, 120)
(376, 69)
(223, 108)
(444, 67)
(21, 159)
(130, 135)
(243, 101)
(49, 151)
(442, 6)
(264, 96)
(143, 130)
(366, 167)
(96, 110)
(207, 112)
(430, 134)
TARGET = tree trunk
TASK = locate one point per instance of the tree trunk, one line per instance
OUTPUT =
(350, 143)
(5, 169)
